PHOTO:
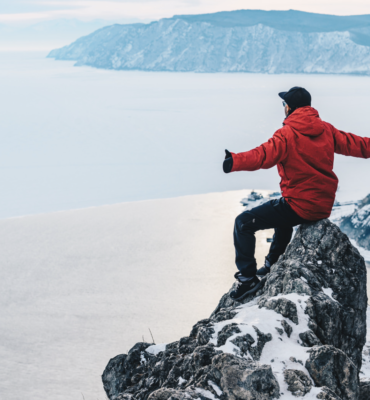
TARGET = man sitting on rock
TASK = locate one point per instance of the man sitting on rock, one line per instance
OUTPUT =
(303, 150)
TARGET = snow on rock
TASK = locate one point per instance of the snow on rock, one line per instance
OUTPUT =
(156, 348)
(357, 225)
(301, 336)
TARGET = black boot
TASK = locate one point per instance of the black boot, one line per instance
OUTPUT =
(266, 269)
(245, 288)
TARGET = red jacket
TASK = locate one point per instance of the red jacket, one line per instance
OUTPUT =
(303, 151)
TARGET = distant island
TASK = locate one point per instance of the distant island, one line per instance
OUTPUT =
(238, 41)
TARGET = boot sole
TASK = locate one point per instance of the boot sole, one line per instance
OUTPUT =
(258, 286)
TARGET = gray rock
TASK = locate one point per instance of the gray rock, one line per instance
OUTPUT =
(204, 335)
(287, 328)
(332, 368)
(298, 382)
(224, 314)
(327, 394)
(319, 257)
(324, 256)
(113, 376)
(280, 331)
(244, 379)
(256, 351)
(283, 306)
(244, 343)
(309, 339)
(226, 332)
(365, 390)
(172, 394)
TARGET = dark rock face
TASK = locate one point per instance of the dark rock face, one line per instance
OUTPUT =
(306, 326)
(330, 367)
(365, 390)
(357, 225)
(245, 379)
(323, 256)
(282, 306)
(309, 339)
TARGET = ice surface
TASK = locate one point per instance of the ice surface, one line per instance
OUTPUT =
(80, 287)
(80, 137)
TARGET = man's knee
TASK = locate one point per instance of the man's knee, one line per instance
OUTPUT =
(245, 222)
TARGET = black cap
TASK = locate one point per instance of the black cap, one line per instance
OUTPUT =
(296, 97)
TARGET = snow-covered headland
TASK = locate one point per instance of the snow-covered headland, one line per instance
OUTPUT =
(354, 220)
(238, 41)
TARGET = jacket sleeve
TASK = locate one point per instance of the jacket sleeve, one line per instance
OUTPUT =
(263, 157)
(349, 144)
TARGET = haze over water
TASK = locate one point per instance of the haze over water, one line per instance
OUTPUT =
(80, 137)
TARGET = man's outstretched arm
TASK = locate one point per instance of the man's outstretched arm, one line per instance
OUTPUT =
(349, 144)
(263, 157)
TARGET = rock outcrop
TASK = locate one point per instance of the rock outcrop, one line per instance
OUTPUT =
(301, 336)
(357, 225)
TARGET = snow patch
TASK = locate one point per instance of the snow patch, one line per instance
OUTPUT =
(215, 388)
(206, 393)
(181, 380)
(142, 359)
(329, 293)
(156, 348)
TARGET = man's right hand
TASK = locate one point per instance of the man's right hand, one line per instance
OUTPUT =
(228, 163)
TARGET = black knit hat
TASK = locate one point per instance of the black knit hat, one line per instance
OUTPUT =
(296, 97)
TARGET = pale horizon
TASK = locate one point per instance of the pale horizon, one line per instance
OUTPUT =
(28, 12)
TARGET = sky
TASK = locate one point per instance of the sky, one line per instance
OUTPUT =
(23, 12)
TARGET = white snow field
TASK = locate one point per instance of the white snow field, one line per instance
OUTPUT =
(80, 287)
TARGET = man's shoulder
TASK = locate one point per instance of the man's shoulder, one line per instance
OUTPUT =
(284, 131)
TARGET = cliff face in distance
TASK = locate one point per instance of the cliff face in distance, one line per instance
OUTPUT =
(238, 41)
(301, 336)
(357, 225)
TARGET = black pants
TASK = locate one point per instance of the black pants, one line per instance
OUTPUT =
(274, 214)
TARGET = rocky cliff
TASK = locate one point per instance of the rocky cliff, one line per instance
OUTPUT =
(301, 336)
(357, 225)
(239, 41)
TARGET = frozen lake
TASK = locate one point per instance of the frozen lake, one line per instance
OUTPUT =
(79, 137)
(72, 282)
(80, 287)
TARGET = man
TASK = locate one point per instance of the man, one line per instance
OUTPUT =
(303, 150)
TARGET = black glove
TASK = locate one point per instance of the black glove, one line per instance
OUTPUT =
(228, 163)
(228, 154)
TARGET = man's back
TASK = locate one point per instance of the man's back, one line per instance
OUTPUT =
(303, 151)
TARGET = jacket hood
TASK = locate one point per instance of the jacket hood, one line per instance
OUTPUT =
(306, 120)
